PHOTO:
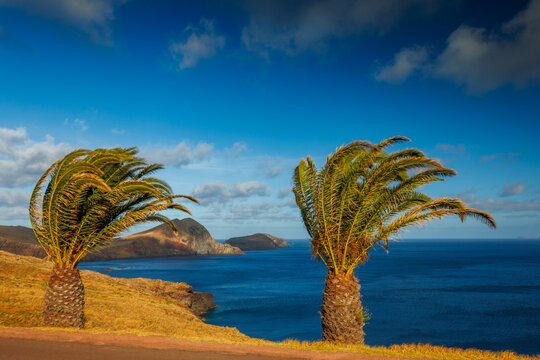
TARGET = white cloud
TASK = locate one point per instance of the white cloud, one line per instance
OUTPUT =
(248, 188)
(23, 160)
(218, 192)
(202, 150)
(14, 213)
(261, 210)
(296, 27)
(10, 138)
(517, 188)
(14, 198)
(14, 205)
(479, 59)
(265, 210)
(118, 131)
(483, 61)
(405, 63)
(201, 44)
(90, 16)
(181, 154)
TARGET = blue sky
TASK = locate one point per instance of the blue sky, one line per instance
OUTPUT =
(230, 95)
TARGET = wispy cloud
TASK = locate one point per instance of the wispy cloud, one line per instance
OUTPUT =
(483, 61)
(218, 192)
(479, 59)
(269, 167)
(293, 27)
(203, 43)
(23, 160)
(78, 124)
(14, 198)
(249, 212)
(500, 205)
(14, 213)
(118, 131)
(92, 17)
(236, 149)
(516, 188)
(405, 63)
(284, 192)
(14, 205)
(181, 154)
(262, 210)
(451, 149)
(503, 158)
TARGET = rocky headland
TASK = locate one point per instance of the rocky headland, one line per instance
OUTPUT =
(192, 239)
(257, 241)
(197, 302)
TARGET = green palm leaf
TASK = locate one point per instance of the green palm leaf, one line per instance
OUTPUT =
(364, 196)
(87, 198)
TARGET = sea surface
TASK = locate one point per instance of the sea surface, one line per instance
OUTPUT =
(465, 293)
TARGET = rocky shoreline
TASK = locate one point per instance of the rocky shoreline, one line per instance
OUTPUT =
(181, 293)
(259, 241)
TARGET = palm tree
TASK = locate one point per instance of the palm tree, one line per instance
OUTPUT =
(365, 196)
(83, 201)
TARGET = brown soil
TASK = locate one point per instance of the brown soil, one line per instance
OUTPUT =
(168, 343)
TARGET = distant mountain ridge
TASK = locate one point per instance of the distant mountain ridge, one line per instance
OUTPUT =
(20, 240)
(193, 239)
(259, 241)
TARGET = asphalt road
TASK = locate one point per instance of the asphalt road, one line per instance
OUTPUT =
(27, 349)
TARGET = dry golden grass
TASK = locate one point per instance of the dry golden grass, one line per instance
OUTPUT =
(111, 304)
(116, 306)
(412, 351)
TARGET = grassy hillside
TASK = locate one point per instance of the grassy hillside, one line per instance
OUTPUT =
(111, 304)
(18, 233)
(134, 306)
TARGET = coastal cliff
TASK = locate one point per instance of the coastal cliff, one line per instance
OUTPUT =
(197, 302)
(257, 241)
(192, 240)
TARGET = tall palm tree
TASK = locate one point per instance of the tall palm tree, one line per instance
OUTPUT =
(365, 196)
(81, 202)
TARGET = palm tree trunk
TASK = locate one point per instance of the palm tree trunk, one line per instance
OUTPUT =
(64, 299)
(341, 310)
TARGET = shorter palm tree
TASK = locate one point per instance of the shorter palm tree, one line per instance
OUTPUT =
(82, 202)
(365, 196)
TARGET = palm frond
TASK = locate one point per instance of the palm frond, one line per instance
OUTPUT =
(364, 196)
(92, 196)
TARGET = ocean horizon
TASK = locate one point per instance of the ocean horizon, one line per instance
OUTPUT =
(468, 293)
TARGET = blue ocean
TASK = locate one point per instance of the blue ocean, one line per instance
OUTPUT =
(482, 294)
